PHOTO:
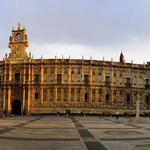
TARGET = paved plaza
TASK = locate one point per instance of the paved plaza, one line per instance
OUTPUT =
(74, 133)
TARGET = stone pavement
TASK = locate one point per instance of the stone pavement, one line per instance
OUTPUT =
(74, 133)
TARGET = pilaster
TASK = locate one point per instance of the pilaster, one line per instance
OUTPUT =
(55, 93)
(41, 94)
(9, 101)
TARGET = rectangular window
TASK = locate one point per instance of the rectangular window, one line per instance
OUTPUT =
(44, 94)
(78, 94)
(107, 80)
(58, 94)
(99, 95)
(147, 101)
(65, 94)
(7, 77)
(147, 83)
(72, 94)
(37, 78)
(51, 94)
(36, 96)
(86, 79)
(93, 95)
(59, 79)
(128, 82)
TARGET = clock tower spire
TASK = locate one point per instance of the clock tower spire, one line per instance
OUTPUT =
(18, 43)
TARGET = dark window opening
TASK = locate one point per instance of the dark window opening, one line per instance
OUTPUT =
(37, 78)
(16, 107)
(147, 83)
(17, 76)
(86, 97)
(36, 96)
(59, 79)
(107, 98)
(128, 100)
(128, 82)
(147, 102)
(86, 79)
(107, 80)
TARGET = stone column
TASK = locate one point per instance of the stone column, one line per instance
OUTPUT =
(75, 94)
(27, 107)
(62, 74)
(24, 81)
(23, 101)
(137, 107)
(82, 73)
(55, 74)
(69, 94)
(62, 94)
(4, 91)
(55, 93)
(28, 102)
(9, 92)
(41, 73)
(41, 94)
(32, 74)
(112, 86)
(9, 101)
(83, 93)
(103, 84)
(10, 73)
(90, 95)
(69, 83)
(4, 100)
(29, 72)
(90, 74)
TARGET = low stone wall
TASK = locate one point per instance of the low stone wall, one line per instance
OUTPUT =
(99, 111)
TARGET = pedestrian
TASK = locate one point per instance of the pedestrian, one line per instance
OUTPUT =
(117, 115)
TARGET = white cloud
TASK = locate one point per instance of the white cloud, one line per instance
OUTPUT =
(136, 51)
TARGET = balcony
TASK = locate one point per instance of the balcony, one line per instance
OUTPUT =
(107, 83)
(147, 86)
(86, 82)
(128, 85)
(36, 82)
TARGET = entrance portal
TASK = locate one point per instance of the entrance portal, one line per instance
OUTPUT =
(16, 107)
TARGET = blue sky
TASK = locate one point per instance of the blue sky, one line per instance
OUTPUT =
(94, 28)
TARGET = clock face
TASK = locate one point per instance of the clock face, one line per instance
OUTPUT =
(18, 37)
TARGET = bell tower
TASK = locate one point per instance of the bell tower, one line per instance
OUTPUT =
(18, 42)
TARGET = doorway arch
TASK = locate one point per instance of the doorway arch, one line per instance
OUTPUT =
(16, 107)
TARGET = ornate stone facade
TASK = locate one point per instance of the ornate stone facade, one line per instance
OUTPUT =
(43, 86)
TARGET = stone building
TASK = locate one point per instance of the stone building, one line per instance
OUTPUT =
(44, 86)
